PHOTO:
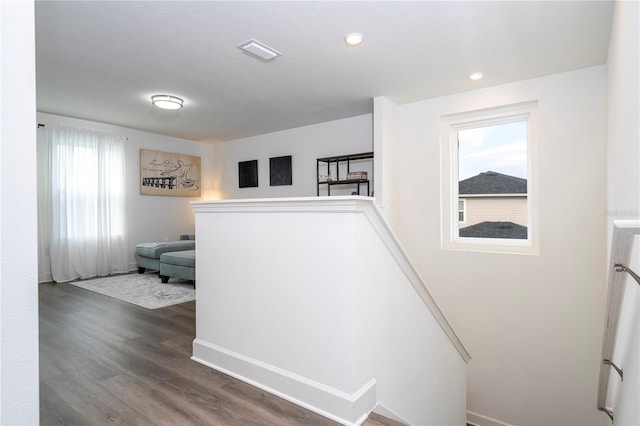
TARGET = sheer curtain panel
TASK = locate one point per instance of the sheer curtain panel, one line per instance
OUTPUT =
(84, 200)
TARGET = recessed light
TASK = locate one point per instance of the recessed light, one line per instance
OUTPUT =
(167, 101)
(475, 76)
(353, 39)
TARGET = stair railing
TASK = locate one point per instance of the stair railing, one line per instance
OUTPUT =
(624, 232)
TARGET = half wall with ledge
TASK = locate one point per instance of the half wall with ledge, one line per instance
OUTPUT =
(314, 300)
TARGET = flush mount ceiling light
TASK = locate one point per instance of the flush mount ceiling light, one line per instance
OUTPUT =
(475, 76)
(353, 39)
(167, 101)
(259, 50)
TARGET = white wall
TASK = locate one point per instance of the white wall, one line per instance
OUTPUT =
(19, 393)
(385, 135)
(532, 323)
(623, 190)
(304, 144)
(623, 99)
(149, 218)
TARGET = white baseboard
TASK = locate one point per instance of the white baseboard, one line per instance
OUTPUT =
(346, 409)
(133, 266)
(480, 420)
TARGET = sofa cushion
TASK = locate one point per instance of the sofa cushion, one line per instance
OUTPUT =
(154, 250)
(179, 258)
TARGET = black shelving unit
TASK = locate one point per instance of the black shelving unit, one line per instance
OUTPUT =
(337, 160)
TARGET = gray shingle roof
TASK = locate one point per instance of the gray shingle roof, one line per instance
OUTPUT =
(492, 183)
(495, 230)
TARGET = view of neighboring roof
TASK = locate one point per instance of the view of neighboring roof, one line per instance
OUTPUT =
(492, 183)
(495, 230)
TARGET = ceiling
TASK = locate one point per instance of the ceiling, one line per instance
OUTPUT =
(102, 60)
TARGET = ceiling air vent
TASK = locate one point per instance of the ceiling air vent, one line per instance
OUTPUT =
(259, 50)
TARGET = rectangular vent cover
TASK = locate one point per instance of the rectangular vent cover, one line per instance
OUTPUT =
(259, 50)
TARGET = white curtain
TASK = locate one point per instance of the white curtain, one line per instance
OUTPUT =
(82, 202)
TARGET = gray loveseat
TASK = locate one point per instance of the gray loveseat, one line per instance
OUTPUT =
(148, 254)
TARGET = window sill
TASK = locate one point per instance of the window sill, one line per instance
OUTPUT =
(492, 245)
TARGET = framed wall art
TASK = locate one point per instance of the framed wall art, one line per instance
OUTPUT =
(248, 174)
(166, 173)
(280, 170)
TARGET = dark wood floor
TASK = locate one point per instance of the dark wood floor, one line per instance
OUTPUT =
(103, 361)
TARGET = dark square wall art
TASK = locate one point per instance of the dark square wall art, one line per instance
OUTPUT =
(248, 174)
(280, 170)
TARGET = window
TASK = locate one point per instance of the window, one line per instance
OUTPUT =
(488, 182)
(93, 185)
(82, 194)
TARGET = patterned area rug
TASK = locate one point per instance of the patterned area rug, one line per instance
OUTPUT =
(144, 290)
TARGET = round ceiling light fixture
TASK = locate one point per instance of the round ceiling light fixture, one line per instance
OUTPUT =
(167, 101)
(353, 39)
(475, 76)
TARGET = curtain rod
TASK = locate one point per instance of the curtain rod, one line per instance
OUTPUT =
(42, 125)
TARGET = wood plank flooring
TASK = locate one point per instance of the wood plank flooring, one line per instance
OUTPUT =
(103, 361)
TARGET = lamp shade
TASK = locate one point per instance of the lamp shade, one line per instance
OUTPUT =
(167, 101)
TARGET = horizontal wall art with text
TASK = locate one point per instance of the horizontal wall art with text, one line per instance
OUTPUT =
(165, 173)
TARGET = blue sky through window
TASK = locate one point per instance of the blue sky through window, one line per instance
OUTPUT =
(500, 148)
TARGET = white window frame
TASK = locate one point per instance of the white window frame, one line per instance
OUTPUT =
(450, 125)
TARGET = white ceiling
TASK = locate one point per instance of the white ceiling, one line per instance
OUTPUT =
(102, 60)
